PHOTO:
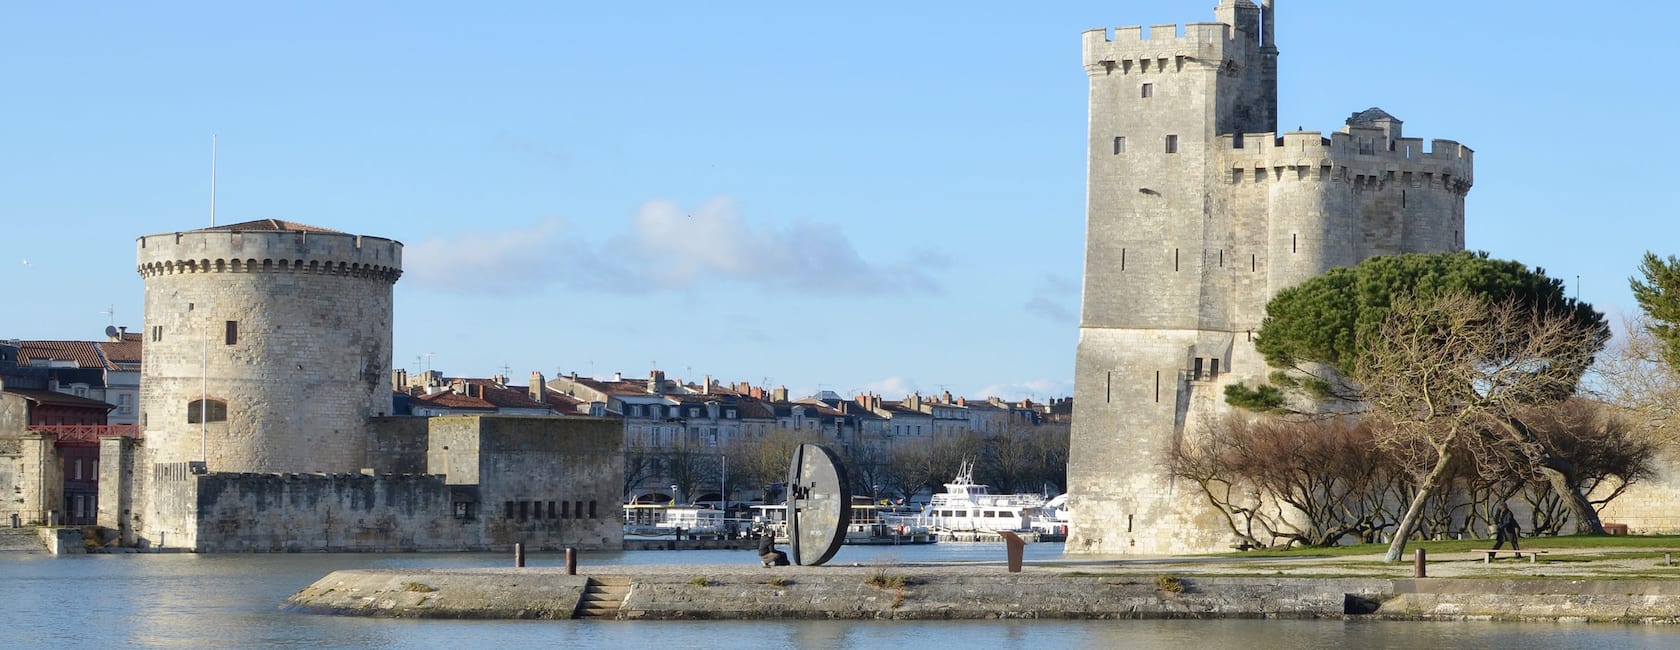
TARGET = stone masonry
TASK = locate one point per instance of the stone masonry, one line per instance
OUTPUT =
(1198, 212)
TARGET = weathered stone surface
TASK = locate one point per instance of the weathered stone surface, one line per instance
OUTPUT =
(438, 593)
(908, 593)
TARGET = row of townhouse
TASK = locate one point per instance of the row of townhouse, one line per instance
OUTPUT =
(661, 413)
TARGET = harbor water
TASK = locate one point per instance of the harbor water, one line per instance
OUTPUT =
(186, 600)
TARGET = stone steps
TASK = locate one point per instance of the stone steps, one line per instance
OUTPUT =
(602, 598)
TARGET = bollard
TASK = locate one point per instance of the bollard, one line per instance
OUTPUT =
(1418, 566)
(15, 522)
(52, 517)
(1015, 547)
(571, 561)
(519, 555)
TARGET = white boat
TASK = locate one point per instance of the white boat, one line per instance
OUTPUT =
(665, 520)
(968, 511)
(869, 526)
(1052, 520)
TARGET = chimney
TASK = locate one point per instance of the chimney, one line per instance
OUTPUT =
(399, 379)
(656, 382)
(618, 376)
(122, 333)
(962, 401)
(779, 395)
(499, 380)
(706, 385)
(946, 397)
(537, 387)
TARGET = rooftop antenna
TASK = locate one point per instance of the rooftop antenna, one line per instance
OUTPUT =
(111, 312)
(212, 180)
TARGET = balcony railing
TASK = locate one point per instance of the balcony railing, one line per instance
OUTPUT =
(85, 433)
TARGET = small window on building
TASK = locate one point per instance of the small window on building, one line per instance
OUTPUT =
(211, 410)
(1148, 91)
(636, 411)
(591, 509)
(1172, 144)
(232, 334)
(463, 510)
(565, 510)
(1119, 144)
(729, 414)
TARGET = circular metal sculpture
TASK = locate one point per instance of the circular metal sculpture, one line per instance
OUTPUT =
(819, 505)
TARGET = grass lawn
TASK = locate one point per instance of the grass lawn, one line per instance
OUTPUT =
(1653, 545)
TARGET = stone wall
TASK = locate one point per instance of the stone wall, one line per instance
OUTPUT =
(397, 445)
(116, 487)
(334, 512)
(547, 482)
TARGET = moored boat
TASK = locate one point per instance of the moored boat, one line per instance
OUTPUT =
(969, 512)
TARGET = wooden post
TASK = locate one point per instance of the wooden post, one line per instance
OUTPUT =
(1420, 565)
(571, 561)
(519, 555)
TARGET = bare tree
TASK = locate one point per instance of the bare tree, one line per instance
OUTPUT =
(1448, 369)
(1632, 375)
(1286, 481)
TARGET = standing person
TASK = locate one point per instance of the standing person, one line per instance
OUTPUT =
(1507, 527)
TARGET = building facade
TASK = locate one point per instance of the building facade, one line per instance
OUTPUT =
(1198, 212)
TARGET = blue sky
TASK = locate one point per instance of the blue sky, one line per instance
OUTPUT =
(850, 197)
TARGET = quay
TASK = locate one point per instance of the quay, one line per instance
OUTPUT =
(1128, 589)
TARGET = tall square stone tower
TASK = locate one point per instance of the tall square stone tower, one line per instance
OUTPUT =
(1198, 212)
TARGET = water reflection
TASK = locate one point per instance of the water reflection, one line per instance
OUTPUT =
(232, 601)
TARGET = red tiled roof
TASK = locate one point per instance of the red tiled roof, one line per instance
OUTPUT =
(272, 225)
(453, 400)
(56, 398)
(82, 352)
(125, 352)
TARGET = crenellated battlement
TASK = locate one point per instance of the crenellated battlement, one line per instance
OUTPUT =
(1207, 41)
(284, 251)
(1351, 154)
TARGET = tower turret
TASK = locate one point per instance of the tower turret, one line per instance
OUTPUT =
(267, 346)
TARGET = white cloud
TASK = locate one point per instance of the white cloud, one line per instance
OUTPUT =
(891, 388)
(684, 248)
(1040, 390)
(664, 248)
(498, 262)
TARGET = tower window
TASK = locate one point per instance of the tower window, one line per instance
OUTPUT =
(1172, 144)
(210, 410)
(1119, 144)
(232, 334)
(1148, 91)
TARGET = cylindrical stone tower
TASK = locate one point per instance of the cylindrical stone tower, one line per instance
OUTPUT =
(267, 346)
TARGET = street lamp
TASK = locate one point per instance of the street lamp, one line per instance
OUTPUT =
(875, 494)
(674, 495)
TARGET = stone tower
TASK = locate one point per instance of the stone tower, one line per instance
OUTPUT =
(267, 346)
(1198, 212)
